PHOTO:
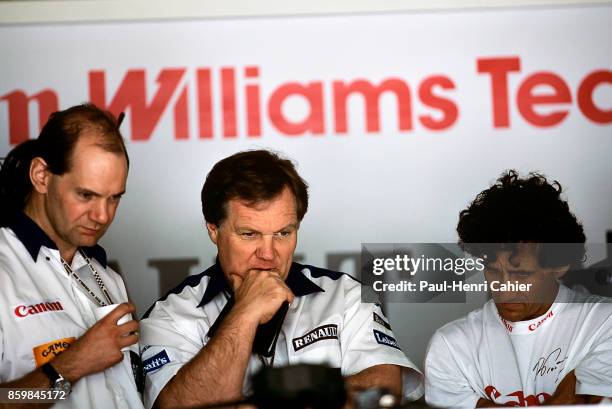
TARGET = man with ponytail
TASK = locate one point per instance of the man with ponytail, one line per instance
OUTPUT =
(58, 196)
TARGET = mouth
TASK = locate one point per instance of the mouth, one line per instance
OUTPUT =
(90, 232)
(270, 269)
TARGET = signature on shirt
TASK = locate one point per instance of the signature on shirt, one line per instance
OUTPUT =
(552, 363)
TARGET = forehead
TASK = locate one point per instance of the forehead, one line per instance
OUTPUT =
(96, 167)
(279, 211)
(525, 255)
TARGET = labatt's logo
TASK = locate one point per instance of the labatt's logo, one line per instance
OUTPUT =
(22, 311)
(533, 327)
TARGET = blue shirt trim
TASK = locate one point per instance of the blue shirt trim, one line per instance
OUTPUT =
(299, 284)
(33, 238)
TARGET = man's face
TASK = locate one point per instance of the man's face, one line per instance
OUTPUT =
(523, 267)
(80, 204)
(257, 237)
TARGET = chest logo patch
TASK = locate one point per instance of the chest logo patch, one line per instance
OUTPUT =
(385, 339)
(329, 331)
(22, 311)
(155, 362)
(46, 352)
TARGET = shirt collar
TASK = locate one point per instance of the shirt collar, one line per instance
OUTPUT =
(33, 238)
(299, 284)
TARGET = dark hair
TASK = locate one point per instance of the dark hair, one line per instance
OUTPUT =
(517, 210)
(253, 176)
(55, 145)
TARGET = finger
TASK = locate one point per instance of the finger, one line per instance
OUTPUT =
(128, 327)
(128, 340)
(236, 281)
(290, 296)
(119, 311)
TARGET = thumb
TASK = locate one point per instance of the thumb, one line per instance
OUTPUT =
(235, 281)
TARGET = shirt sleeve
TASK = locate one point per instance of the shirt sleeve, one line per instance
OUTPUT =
(446, 384)
(594, 372)
(2, 369)
(168, 341)
(367, 340)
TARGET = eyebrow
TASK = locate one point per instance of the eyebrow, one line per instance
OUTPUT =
(497, 270)
(289, 226)
(96, 194)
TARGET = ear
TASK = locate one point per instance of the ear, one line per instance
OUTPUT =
(559, 272)
(39, 175)
(213, 231)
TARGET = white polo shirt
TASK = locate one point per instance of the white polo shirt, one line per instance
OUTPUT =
(43, 311)
(522, 363)
(326, 323)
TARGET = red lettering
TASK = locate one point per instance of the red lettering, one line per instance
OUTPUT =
(19, 118)
(492, 392)
(313, 123)
(499, 68)
(371, 94)
(585, 97)
(520, 397)
(132, 94)
(205, 115)
(228, 95)
(252, 103)
(20, 311)
(446, 106)
(526, 99)
(181, 116)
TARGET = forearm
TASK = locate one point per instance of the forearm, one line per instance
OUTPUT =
(34, 379)
(216, 373)
(64, 363)
(383, 376)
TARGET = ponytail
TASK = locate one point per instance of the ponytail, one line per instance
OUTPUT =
(15, 184)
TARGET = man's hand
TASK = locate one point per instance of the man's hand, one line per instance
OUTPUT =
(100, 347)
(259, 294)
(566, 393)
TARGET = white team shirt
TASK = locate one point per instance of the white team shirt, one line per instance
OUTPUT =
(326, 324)
(521, 363)
(43, 310)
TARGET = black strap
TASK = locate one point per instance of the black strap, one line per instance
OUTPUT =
(51, 373)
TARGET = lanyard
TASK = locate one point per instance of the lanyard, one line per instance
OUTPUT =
(99, 281)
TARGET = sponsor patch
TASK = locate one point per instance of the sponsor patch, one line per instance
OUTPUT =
(155, 362)
(379, 320)
(385, 339)
(46, 352)
(329, 331)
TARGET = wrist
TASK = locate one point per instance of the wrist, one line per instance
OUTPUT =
(67, 367)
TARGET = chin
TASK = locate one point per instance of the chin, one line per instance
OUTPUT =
(511, 312)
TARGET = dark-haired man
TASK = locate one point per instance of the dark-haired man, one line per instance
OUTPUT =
(253, 203)
(547, 345)
(58, 195)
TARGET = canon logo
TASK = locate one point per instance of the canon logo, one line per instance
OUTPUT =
(533, 327)
(508, 326)
(22, 311)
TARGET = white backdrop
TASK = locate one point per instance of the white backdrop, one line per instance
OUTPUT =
(404, 182)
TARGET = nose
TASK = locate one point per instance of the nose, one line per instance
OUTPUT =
(265, 249)
(100, 213)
